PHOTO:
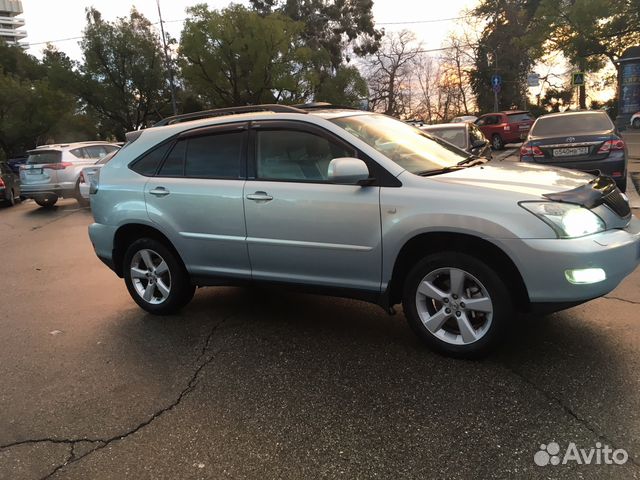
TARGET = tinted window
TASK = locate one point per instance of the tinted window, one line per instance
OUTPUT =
(519, 117)
(149, 163)
(173, 166)
(451, 135)
(215, 156)
(571, 124)
(44, 156)
(79, 153)
(295, 155)
(95, 152)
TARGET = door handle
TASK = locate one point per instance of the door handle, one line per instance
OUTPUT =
(259, 197)
(159, 192)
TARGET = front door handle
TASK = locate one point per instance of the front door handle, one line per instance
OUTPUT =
(259, 197)
(159, 192)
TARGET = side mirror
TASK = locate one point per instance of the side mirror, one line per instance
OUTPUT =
(348, 171)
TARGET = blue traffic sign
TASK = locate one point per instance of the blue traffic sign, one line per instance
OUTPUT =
(496, 80)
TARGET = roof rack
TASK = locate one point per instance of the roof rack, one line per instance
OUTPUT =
(219, 112)
(323, 106)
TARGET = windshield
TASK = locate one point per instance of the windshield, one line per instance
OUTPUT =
(45, 156)
(571, 124)
(455, 135)
(407, 146)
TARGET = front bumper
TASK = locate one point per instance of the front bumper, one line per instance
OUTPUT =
(543, 262)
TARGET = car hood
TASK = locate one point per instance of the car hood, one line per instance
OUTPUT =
(522, 178)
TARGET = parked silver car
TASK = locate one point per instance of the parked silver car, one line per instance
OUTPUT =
(361, 205)
(86, 177)
(52, 171)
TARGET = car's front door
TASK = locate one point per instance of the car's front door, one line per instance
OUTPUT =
(300, 227)
(197, 196)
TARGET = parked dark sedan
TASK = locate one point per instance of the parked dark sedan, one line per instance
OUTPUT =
(464, 135)
(586, 140)
(9, 185)
(14, 163)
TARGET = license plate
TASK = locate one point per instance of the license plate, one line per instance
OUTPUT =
(570, 152)
(34, 171)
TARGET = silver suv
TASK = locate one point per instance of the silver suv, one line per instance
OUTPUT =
(53, 171)
(361, 205)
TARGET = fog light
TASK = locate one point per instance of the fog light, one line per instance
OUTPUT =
(585, 275)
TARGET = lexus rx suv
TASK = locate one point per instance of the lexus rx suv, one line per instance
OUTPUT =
(356, 204)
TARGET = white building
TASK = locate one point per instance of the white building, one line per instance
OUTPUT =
(10, 23)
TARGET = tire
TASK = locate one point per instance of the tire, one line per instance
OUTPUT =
(472, 334)
(11, 199)
(47, 201)
(496, 142)
(636, 123)
(170, 289)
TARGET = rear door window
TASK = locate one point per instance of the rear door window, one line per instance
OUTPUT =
(215, 156)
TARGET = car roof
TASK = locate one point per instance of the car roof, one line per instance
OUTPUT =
(67, 146)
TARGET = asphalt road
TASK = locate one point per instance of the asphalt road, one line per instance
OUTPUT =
(264, 383)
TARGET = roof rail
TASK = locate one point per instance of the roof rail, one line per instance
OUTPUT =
(323, 106)
(219, 112)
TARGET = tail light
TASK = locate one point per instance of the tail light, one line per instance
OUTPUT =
(81, 178)
(530, 151)
(1, 183)
(57, 166)
(611, 145)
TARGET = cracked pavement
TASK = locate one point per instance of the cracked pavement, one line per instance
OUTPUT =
(265, 383)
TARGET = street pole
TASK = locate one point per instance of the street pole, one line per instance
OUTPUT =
(496, 106)
(168, 63)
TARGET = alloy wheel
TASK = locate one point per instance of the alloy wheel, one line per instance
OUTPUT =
(454, 306)
(150, 276)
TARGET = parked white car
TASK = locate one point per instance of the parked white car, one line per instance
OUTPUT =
(87, 175)
(53, 171)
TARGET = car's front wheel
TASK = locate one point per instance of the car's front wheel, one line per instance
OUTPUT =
(156, 278)
(636, 123)
(457, 304)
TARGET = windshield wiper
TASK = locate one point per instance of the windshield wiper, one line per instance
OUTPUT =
(471, 159)
(438, 171)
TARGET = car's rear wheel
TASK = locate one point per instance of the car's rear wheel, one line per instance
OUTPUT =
(156, 278)
(47, 200)
(496, 142)
(457, 304)
(636, 123)
(11, 198)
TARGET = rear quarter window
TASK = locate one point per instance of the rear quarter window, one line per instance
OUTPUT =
(519, 117)
(148, 164)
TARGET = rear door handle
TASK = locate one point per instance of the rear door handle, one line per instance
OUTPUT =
(259, 197)
(159, 192)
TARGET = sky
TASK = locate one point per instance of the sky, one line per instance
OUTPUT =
(47, 20)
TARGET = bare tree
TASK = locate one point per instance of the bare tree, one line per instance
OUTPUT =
(390, 76)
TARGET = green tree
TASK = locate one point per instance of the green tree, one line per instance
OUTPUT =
(587, 32)
(122, 79)
(501, 51)
(237, 57)
(334, 30)
(30, 108)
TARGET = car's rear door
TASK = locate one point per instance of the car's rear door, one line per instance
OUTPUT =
(301, 228)
(196, 196)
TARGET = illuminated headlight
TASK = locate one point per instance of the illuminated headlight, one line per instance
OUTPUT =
(585, 275)
(566, 219)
